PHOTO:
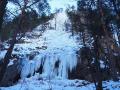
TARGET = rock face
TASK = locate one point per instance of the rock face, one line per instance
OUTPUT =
(86, 68)
(12, 74)
(81, 72)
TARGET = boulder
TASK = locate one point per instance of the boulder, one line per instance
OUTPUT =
(12, 74)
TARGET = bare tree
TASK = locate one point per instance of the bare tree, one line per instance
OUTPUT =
(15, 38)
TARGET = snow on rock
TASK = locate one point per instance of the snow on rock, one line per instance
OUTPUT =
(2, 54)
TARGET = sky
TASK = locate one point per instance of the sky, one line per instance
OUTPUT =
(56, 4)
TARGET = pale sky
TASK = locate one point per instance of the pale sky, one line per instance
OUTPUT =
(56, 4)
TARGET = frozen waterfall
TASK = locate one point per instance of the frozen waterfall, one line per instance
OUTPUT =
(58, 55)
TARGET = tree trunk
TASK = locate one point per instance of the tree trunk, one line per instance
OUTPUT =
(97, 63)
(3, 4)
(6, 59)
(110, 43)
(83, 39)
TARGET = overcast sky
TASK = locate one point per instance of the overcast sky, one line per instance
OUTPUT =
(61, 4)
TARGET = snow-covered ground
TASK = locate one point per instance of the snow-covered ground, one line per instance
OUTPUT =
(39, 83)
(36, 83)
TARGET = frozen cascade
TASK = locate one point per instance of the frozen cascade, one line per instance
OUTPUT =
(57, 58)
(55, 64)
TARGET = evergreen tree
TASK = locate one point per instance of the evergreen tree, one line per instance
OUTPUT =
(100, 18)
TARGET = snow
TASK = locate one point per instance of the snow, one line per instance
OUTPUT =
(38, 83)
(2, 54)
(35, 83)
(102, 64)
(11, 63)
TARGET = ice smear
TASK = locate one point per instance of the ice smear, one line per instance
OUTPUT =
(59, 53)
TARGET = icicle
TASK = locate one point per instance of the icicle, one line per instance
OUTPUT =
(57, 58)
